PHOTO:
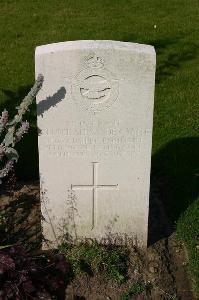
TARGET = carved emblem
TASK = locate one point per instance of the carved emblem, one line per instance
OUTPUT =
(94, 88)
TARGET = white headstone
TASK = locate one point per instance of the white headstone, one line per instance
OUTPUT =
(95, 115)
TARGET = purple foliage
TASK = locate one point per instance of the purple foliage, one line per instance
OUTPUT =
(31, 277)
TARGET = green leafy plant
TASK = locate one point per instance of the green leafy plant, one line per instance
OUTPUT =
(14, 129)
(136, 289)
(93, 257)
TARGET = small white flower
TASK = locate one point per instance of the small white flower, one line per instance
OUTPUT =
(154, 26)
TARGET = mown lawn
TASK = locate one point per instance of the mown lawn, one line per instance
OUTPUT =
(172, 27)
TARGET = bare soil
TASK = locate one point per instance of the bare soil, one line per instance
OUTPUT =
(163, 266)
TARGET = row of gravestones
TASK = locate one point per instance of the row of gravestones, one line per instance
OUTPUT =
(95, 116)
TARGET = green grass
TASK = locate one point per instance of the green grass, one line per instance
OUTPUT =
(187, 229)
(26, 24)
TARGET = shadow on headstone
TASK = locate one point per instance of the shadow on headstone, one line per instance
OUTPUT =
(51, 101)
(174, 185)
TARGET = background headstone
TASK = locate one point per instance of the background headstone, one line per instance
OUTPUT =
(95, 115)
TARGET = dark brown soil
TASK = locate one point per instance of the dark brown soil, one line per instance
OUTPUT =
(163, 266)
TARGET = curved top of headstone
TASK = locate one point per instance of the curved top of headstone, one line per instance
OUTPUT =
(93, 44)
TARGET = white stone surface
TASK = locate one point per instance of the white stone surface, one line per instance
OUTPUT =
(95, 115)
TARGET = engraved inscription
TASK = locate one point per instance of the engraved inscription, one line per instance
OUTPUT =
(94, 187)
(94, 139)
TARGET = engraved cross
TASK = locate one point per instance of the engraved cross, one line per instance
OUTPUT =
(94, 187)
